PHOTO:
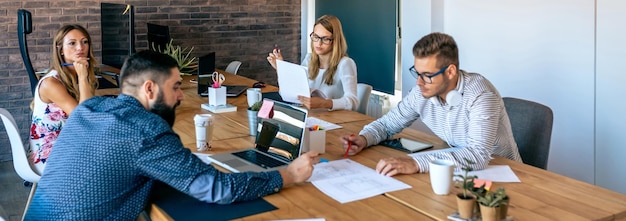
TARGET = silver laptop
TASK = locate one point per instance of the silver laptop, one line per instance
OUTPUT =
(277, 144)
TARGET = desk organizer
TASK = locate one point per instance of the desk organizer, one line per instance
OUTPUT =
(217, 96)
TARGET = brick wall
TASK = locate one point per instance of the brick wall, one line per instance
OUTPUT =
(244, 30)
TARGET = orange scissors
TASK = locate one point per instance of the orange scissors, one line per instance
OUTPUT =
(218, 79)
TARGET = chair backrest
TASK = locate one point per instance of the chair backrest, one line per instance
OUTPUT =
(532, 129)
(24, 27)
(363, 92)
(20, 157)
(233, 67)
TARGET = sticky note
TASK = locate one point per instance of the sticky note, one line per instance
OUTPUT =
(479, 182)
(267, 109)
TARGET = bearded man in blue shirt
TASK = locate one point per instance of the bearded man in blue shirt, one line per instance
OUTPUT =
(112, 150)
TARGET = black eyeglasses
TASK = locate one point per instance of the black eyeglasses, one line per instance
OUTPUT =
(427, 78)
(317, 38)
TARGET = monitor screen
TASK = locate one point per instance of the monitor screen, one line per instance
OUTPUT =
(158, 36)
(118, 33)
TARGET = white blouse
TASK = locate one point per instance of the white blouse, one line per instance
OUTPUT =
(343, 90)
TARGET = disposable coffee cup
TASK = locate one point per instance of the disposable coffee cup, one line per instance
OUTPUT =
(204, 131)
(441, 172)
(254, 95)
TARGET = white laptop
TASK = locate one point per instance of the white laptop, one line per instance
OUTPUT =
(277, 144)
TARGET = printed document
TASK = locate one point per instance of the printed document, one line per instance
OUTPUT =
(292, 81)
(346, 181)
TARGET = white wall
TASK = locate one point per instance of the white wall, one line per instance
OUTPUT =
(610, 105)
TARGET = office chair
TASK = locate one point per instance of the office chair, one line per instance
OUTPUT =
(24, 27)
(22, 165)
(233, 67)
(363, 92)
(531, 123)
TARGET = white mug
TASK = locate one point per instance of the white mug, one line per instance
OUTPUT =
(254, 95)
(204, 131)
(441, 172)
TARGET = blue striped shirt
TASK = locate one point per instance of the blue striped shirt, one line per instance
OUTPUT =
(108, 156)
(477, 128)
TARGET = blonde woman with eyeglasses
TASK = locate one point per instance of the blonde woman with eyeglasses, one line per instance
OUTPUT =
(330, 69)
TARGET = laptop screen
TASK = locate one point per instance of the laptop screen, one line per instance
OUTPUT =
(291, 124)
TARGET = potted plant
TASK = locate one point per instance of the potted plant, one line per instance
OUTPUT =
(186, 63)
(490, 204)
(466, 200)
(504, 205)
(253, 111)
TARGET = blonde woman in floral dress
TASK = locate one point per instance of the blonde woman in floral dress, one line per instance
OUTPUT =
(69, 81)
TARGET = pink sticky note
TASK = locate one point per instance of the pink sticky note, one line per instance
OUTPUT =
(267, 109)
(479, 182)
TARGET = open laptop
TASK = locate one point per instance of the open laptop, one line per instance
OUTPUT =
(206, 67)
(284, 143)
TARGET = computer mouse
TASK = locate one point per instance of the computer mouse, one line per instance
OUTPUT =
(258, 84)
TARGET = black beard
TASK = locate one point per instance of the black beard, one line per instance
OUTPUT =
(166, 112)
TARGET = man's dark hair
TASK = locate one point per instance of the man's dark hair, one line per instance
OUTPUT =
(439, 44)
(146, 65)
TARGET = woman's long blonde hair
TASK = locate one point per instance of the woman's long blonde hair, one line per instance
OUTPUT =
(340, 48)
(69, 80)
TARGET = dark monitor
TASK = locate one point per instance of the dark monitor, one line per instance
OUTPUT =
(206, 64)
(118, 33)
(158, 36)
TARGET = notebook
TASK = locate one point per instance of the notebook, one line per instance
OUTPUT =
(277, 144)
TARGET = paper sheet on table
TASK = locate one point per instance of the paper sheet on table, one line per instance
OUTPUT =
(312, 121)
(292, 81)
(496, 173)
(346, 181)
(204, 157)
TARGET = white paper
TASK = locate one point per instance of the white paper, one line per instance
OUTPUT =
(312, 121)
(346, 181)
(292, 81)
(495, 173)
(204, 157)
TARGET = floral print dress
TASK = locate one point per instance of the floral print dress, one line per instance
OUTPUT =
(47, 122)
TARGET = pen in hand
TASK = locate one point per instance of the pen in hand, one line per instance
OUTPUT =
(345, 155)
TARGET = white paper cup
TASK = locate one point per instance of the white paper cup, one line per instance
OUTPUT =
(254, 95)
(204, 131)
(441, 172)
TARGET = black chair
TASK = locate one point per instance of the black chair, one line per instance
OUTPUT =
(532, 129)
(24, 27)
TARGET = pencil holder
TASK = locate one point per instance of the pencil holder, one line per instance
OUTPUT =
(314, 140)
(217, 96)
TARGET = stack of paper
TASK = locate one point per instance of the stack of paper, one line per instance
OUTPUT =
(347, 181)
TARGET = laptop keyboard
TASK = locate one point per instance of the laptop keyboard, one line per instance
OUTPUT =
(259, 159)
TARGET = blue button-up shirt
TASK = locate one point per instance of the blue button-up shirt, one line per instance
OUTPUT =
(109, 154)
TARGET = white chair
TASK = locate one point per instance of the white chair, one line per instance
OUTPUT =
(363, 92)
(233, 67)
(22, 165)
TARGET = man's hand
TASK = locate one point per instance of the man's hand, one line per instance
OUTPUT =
(397, 165)
(300, 169)
(357, 143)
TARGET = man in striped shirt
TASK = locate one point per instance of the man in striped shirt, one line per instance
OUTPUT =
(464, 109)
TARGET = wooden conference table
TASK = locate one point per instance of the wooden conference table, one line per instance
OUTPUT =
(542, 195)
